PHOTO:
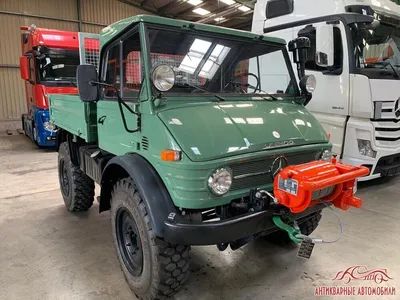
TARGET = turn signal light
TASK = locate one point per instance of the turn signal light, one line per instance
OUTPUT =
(171, 155)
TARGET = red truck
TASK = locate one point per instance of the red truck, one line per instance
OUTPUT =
(48, 66)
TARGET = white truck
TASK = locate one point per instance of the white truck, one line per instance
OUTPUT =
(355, 58)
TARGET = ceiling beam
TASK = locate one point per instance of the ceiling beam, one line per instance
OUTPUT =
(144, 2)
(247, 3)
(139, 6)
(233, 8)
(170, 5)
(185, 11)
(238, 25)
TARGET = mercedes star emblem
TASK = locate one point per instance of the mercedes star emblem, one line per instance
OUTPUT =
(278, 165)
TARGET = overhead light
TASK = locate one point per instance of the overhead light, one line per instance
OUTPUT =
(194, 2)
(244, 8)
(220, 19)
(201, 11)
(229, 2)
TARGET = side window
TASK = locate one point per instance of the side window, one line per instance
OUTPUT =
(310, 32)
(132, 70)
(113, 72)
(31, 69)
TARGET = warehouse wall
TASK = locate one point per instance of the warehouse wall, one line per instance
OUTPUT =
(55, 14)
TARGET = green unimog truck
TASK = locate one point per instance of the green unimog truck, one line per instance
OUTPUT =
(184, 132)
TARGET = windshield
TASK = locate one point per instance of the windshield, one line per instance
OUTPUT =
(377, 50)
(204, 63)
(58, 65)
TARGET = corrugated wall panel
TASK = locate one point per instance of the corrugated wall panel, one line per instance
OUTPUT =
(65, 9)
(10, 32)
(107, 11)
(91, 28)
(12, 95)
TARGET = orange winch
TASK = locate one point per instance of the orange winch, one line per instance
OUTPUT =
(294, 185)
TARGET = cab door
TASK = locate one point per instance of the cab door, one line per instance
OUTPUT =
(122, 68)
(330, 100)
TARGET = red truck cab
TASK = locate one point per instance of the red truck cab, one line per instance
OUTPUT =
(48, 66)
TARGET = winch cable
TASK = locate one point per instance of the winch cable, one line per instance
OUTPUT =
(318, 240)
(297, 237)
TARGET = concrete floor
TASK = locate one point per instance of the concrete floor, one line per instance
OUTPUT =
(48, 253)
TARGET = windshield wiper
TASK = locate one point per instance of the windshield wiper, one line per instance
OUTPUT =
(255, 89)
(204, 90)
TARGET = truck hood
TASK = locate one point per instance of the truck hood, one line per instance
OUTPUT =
(209, 131)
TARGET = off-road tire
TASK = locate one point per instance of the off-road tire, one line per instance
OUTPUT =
(80, 193)
(307, 227)
(164, 266)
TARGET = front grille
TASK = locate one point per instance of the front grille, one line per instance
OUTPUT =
(260, 169)
(385, 110)
(387, 133)
(386, 123)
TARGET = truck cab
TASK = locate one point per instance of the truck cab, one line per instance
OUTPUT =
(356, 44)
(192, 145)
(48, 65)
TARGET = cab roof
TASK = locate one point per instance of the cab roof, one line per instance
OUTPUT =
(116, 28)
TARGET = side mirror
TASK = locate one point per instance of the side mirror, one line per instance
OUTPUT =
(24, 67)
(324, 54)
(299, 47)
(86, 76)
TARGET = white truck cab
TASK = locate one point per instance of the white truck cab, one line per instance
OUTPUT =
(355, 58)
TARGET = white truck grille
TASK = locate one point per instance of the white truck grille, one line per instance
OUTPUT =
(387, 123)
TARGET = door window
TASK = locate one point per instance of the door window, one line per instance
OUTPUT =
(132, 70)
(127, 79)
(112, 72)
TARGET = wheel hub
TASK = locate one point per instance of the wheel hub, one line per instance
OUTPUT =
(64, 178)
(129, 243)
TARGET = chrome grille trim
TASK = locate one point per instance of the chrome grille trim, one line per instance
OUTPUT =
(255, 173)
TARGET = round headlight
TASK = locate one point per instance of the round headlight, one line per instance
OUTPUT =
(220, 181)
(326, 155)
(49, 126)
(163, 77)
(308, 84)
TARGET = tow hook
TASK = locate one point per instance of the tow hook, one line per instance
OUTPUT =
(296, 236)
(293, 232)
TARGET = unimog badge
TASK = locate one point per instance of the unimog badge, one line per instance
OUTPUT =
(279, 144)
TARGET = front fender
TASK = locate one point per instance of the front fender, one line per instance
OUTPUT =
(148, 182)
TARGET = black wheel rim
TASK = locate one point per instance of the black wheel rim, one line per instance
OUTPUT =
(64, 181)
(129, 243)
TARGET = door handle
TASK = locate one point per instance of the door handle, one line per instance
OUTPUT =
(101, 120)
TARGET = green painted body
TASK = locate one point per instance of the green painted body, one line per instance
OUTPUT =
(210, 134)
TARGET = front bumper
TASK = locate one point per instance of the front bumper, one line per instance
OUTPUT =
(382, 164)
(228, 230)
(388, 165)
